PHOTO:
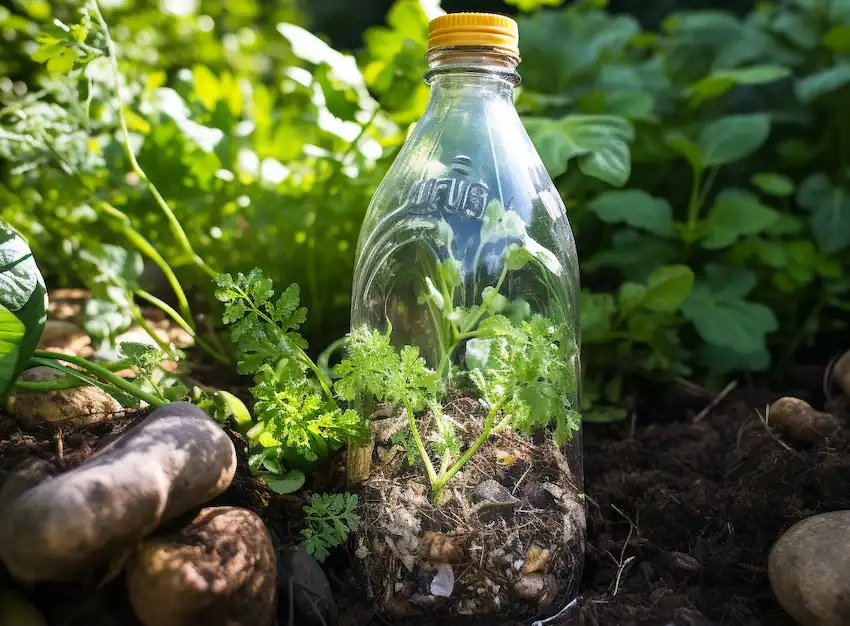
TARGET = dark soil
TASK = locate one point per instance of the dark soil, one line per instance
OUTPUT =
(681, 515)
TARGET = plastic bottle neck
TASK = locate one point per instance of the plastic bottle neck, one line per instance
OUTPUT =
(487, 64)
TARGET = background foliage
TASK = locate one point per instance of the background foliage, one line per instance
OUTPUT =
(721, 247)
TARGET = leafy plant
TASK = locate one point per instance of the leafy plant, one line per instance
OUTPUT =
(331, 518)
(295, 414)
(23, 305)
(737, 202)
(523, 366)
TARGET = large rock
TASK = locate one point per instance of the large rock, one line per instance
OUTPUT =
(65, 337)
(809, 569)
(53, 529)
(77, 405)
(220, 570)
(305, 592)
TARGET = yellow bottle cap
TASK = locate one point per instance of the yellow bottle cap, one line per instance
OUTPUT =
(474, 29)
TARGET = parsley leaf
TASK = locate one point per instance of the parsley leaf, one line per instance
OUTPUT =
(529, 368)
(331, 518)
(375, 367)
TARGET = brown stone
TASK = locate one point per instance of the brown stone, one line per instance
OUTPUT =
(809, 570)
(78, 405)
(219, 570)
(53, 530)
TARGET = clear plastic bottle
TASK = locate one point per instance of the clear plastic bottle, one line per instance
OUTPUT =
(471, 488)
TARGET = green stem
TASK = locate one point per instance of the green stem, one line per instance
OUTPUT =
(174, 224)
(182, 323)
(323, 362)
(465, 333)
(694, 202)
(119, 383)
(68, 382)
(414, 431)
(320, 376)
(140, 319)
(706, 188)
(149, 251)
(82, 379)
(488, 426)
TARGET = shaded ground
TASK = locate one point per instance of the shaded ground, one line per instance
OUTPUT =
(681, 514)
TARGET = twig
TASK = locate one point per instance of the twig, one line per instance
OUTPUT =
(764, 420)
(620, 573)
(717, 400)
(559, 616)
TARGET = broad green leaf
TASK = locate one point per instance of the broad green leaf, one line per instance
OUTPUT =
(631, 297)
(598, 141)
(730, 280)
(829, 206)
(722, 360)
(814, 86)
(597, 312)
(667, 287)
(283, 484)
(19, 275)
(636, 208)
(732, 138)
(23, 305)
(688, 149)
(838, 38)
(736, 215)
(12, 333)
(106, 314)
(574, 41)
(773, 184)
(113, 264)
(718, 83)
(729, 323)
(634, 253)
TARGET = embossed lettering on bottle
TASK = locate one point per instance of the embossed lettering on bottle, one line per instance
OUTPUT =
(450, 195)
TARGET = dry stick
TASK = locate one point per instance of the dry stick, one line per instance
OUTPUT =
(559, 616)
(717, 400)
(764, 420)
(620, 573)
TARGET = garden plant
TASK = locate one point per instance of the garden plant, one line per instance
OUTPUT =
(211, 165)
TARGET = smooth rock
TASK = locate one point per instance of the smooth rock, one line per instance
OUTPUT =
(66, 337)
(800, 421)
(491, 491)
(77, 405)
(809, 570)
(175, 460)
(304, 590)
(219, 570)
